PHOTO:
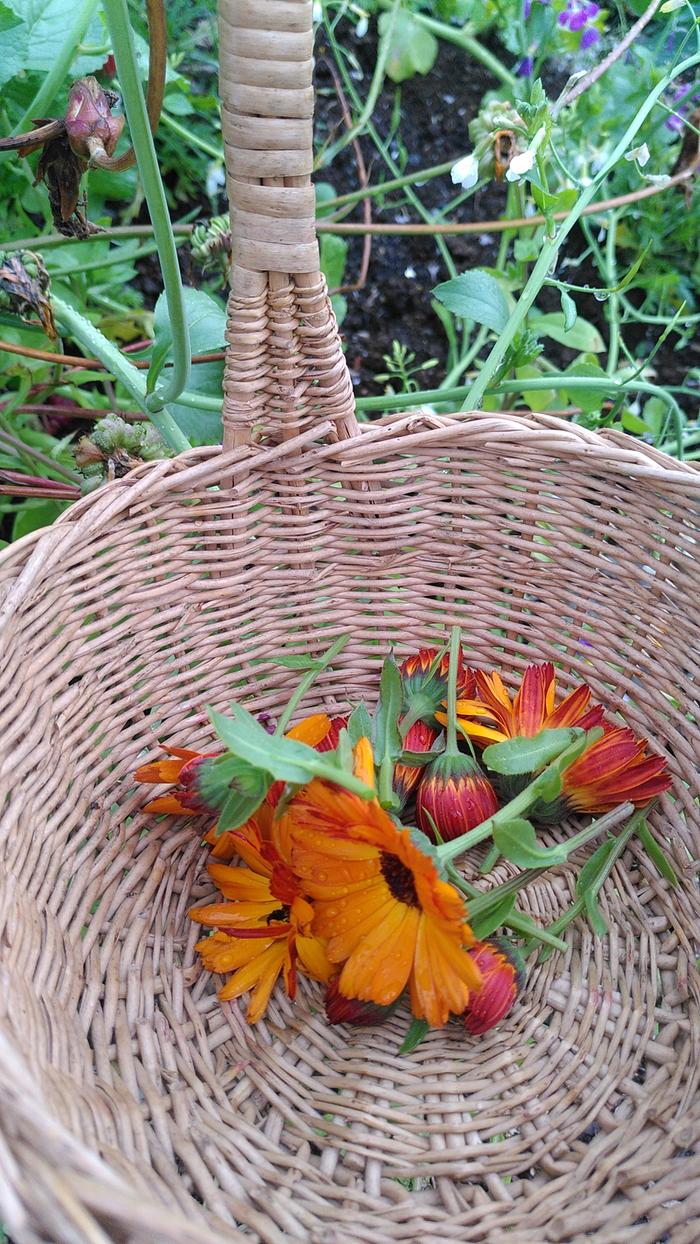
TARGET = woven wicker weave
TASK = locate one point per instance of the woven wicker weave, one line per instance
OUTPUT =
(133, 1106)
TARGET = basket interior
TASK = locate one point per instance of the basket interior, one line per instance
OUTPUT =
(128, 627)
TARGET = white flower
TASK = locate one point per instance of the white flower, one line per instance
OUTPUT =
(524, 161)
(520, 164)
(640, 154)
(317, 12)
(361, 28)
(465, 172)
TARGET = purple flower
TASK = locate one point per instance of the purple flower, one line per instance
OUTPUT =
(576, 16)
(524, 69)
(527, 9)
(589, 37)
(682, 96)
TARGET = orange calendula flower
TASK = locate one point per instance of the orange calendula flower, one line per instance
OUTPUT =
(494, 716)
(612, 771)
(263, 928)
(183, 770)
(388, 916)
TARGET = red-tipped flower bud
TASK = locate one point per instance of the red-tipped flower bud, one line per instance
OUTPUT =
(419, 738)
(183, 769)
(456, 795)
(503, 976)
(330, 741)
(424, 683)
(89, 121)
(342, 1010)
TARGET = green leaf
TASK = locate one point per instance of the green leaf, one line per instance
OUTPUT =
(516, 841)
(493, 917)
(14, 44)
(238, 809)
(334, 254)
(596, 919)
(568, 310)
(359, 724)
(656, 854)
(206, 318)
(476, 296)
(417, 760)
(593, 873)
(550, 787)
(523, 755)
(286, 760)
(581, 335)
(537, 399)
(33, 515)
(387, 738)
(412, 49)
(416, 1032)
(214, 779)
(588, 399)
(45, 24)
(344, 751)
(298, 663)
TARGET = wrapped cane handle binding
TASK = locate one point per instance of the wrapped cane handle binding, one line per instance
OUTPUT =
(285, 367)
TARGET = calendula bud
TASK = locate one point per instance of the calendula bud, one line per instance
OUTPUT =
(182, 769)
(419, 738)
(455, 795)
(342, 1010)
(89, 122)
(329, 742)
(503, 976)
(424, 684)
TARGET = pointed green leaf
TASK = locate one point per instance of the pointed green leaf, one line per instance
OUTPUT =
(239, 808)
(416, 760)
(594, 871)
(359, 724)
(523, 755)
(414, 1036)
(569, 312)
(475, 296)
(493, 917)
(656, 854)
(297, 663)
(516, 841)
(387, 738)
(596, 919)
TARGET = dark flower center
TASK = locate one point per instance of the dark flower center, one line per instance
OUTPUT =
(399, 879)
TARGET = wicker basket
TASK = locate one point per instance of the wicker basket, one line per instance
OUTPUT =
(133, 1106)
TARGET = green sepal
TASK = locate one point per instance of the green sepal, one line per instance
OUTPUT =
(415, 1034)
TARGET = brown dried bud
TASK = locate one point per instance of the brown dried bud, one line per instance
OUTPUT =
(89, 122)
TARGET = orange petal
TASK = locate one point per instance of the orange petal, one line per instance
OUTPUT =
(530, 704)
(313, 958)
(311, 730)
(228, 915)
(229, 955)
(266, 965)
(571, 709)
(169, 804)
(379, 967)
(363, 762)
(240, 883)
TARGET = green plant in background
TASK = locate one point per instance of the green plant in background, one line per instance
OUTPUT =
(557, 152)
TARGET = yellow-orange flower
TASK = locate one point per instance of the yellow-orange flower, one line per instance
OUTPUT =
(615, 769)
(493, 716)
(388, 916)
(263, 929)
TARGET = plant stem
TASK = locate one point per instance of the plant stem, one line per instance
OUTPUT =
(451, 748)
(613, 305)
(92, 340)
(395, 183)
(579, 906)
(522, 802)
(515, 921)
(551, 248)
(189, 136)
(117, 15)
(374, 90)
(53, 82)
(307, 681)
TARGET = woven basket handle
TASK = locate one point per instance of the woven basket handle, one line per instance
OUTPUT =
(285, 368)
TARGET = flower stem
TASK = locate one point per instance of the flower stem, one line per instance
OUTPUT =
(522, 802)
(308, 681)
(551, 248)
(117, 15)
(451, 748)
(579, 904)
